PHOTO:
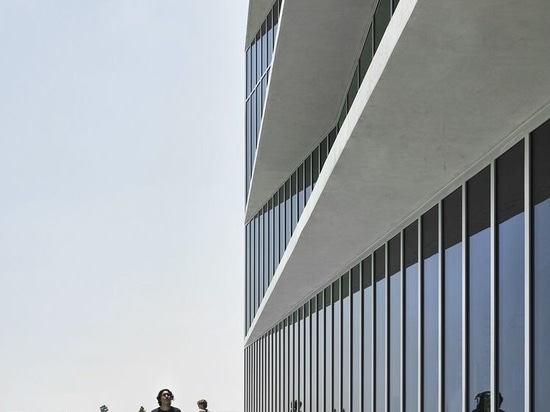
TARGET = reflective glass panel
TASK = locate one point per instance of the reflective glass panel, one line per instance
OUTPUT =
(315, 166)
(270, 237)
(247, 90)
(291, 361)
(411, 317)
(336, 346)
(306, 407)
(541, 264)
(253, 77)
(366, 56)
(430, 260)
(356, 339)
(479, 288)
(328, 349)
(511, 279)
(261, 248)
(307, 178)
(452, 285)
(288, 212)
(276, 232)
(269, 37)
(354, 86)
(282, 222)
(299, 361)
(321, 338)
(323, 150)
(394, 267)
(264, 47)
(346, 318)
(301, 191)
(294, 194)
(314, 360)
(380, 328)
(368, 311)
(342, 117)
(382, 17)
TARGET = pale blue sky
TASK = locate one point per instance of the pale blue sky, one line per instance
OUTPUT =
(121, 204)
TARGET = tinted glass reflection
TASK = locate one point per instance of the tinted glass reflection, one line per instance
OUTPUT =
(479, 288)
(394, 266)
(368, 311)
(337, 345)
(306, 407)
(355, 338)
(328, 349)
(382, 17)
(411, 317)
(346, 339)
(380, 336)
(541, 264)
(452, 279)
(511, 280)
(430, 309)
(321, 383)
(366, 56)
(314, 358)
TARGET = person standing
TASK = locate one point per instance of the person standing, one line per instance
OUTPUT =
(202, 404)
(165, 398)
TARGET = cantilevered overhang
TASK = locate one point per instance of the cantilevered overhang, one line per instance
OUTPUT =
(451, 83)
(257, 12)
(317, 48)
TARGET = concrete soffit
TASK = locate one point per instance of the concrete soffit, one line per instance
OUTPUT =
(317, 47)
(451, 83)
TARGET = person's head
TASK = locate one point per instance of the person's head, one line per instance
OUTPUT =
(483, 400)
(165, 397)
(202, 404)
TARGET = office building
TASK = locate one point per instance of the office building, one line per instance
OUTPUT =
(397, 206)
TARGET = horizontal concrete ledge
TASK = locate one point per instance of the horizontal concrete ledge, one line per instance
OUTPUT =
(318, 44)
(451, 82)
(257, 13)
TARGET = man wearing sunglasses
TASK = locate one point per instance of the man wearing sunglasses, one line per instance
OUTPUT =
(165, 398)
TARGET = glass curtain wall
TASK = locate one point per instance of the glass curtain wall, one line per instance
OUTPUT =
(459, 294)
(280, 222)
(258, 62)
(267, 234)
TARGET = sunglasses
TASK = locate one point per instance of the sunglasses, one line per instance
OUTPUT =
(167, 395)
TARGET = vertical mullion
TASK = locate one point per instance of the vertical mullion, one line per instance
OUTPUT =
(308, 325)
(402, 322)
(341, 337)
(528, 270)
(440, 340)
(420, 315)
(361, 351)
(465, 323)
(387, 326)
(373, 335)
(494, 288)
(350, 343)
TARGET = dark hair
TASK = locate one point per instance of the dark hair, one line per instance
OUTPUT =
(160, 393)
(201, 403)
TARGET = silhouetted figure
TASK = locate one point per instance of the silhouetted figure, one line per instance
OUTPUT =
(165, 398)
(202, 404)
(483, 400)
(295, 406)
